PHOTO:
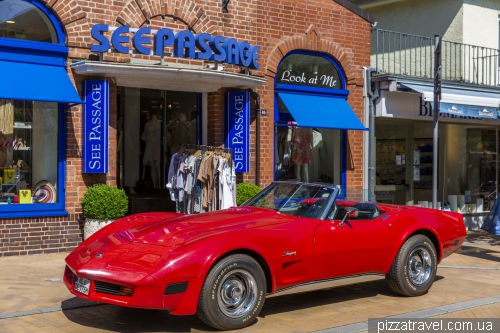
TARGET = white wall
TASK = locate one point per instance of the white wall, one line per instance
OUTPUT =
(481, 23)
(422, 17)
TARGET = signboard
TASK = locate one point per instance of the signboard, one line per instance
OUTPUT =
(309, 70)
(238, 128)
(405, 105)
(184, 43)
(95, 126)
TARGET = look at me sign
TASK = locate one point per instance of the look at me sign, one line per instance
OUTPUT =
(238, 128)
(95, 126)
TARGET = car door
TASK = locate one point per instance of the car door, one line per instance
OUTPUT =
(361, 245)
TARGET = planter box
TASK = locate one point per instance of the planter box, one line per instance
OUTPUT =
(92, 225)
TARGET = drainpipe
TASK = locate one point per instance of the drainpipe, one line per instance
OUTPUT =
(373, 95)
(257, 136)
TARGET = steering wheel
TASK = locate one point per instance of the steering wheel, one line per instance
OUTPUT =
(315, 208)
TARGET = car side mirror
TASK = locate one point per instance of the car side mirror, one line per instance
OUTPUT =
(349, 212)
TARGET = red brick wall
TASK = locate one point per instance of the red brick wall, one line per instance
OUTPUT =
(278, 27)
(39, 235)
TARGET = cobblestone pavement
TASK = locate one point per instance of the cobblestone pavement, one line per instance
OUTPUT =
(33, 298)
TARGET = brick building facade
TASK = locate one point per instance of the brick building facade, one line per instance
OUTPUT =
(334, 28)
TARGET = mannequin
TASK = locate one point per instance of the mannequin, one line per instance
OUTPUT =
(180, 132)
(152, 153)
(301, 138)
(318, 154)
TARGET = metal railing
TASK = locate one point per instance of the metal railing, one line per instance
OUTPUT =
(411, 55)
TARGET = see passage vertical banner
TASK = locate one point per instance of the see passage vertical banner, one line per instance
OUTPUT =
(238, 128)
(95, 126)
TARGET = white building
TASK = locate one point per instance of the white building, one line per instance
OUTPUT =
(469, 122)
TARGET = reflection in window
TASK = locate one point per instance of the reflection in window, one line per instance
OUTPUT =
(480, 171)
(308, 154)
(28, 151)
(23, 20)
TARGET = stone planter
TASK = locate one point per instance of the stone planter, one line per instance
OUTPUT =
(92, 225)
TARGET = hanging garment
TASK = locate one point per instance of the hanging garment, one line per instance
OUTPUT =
(301, 145)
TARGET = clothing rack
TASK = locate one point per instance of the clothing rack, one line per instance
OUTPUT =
(206, 148)
(201, 178)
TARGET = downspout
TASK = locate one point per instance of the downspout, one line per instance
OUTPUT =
(257, 136)
(373, 95)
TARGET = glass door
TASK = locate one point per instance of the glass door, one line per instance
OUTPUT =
(393, 161)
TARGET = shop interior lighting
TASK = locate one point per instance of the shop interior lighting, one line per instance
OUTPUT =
(315, 69)
(289, 66)
(10, 21)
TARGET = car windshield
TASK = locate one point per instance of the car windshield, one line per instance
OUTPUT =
(294, 198)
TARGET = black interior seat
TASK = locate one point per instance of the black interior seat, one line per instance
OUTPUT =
(367, 211)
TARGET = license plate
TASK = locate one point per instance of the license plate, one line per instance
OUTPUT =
(82, 285)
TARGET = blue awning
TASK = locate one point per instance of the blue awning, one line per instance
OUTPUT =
(33, 82)
(321, 111)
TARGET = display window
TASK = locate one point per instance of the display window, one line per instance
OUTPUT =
(24, 20)
(29, 154)
(308, 154)
(467, 164)
(32, 127)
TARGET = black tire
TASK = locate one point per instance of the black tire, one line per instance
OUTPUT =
(237, 278)
(414, 268)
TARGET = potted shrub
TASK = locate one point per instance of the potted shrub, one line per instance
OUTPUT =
(245, 191)
(101, 205)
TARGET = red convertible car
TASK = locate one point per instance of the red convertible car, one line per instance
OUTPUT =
(290, 237)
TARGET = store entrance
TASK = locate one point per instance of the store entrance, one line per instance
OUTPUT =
(393, 162)
(152, 126)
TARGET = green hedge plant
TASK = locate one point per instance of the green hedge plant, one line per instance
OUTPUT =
(245, 191)
(104, 202)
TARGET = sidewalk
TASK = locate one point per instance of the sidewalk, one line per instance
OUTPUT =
(481, 237)
(32, 291)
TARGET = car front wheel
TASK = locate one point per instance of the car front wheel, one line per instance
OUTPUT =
(233, 293)
(414, 268)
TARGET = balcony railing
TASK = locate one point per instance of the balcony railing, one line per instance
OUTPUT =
(411, 55)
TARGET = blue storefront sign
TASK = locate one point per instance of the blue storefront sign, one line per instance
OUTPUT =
(238, 128)
(95, 126)
(185, 44)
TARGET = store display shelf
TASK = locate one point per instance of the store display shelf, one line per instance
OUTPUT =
(21, 125)
(23, 148)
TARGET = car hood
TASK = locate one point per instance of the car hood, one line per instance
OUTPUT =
(182, 229)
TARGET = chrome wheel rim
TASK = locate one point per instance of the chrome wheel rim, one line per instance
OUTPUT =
(237, 293)
(419, 266)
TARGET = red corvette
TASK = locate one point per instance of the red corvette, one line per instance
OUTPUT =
(290, 237)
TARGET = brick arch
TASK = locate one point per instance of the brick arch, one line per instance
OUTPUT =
(137, 12)
(70, 15)
(312, 42)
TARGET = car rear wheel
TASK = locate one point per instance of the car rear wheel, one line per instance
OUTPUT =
(414, 269)
(233, 293)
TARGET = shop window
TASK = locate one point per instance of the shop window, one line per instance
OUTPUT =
(28, 155)
(480, 176)
(308, 154)
(23, 20)
(32, 127)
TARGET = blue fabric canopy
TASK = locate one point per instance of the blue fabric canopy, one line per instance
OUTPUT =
(467, 110)
(34, 82)
(321, 111)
